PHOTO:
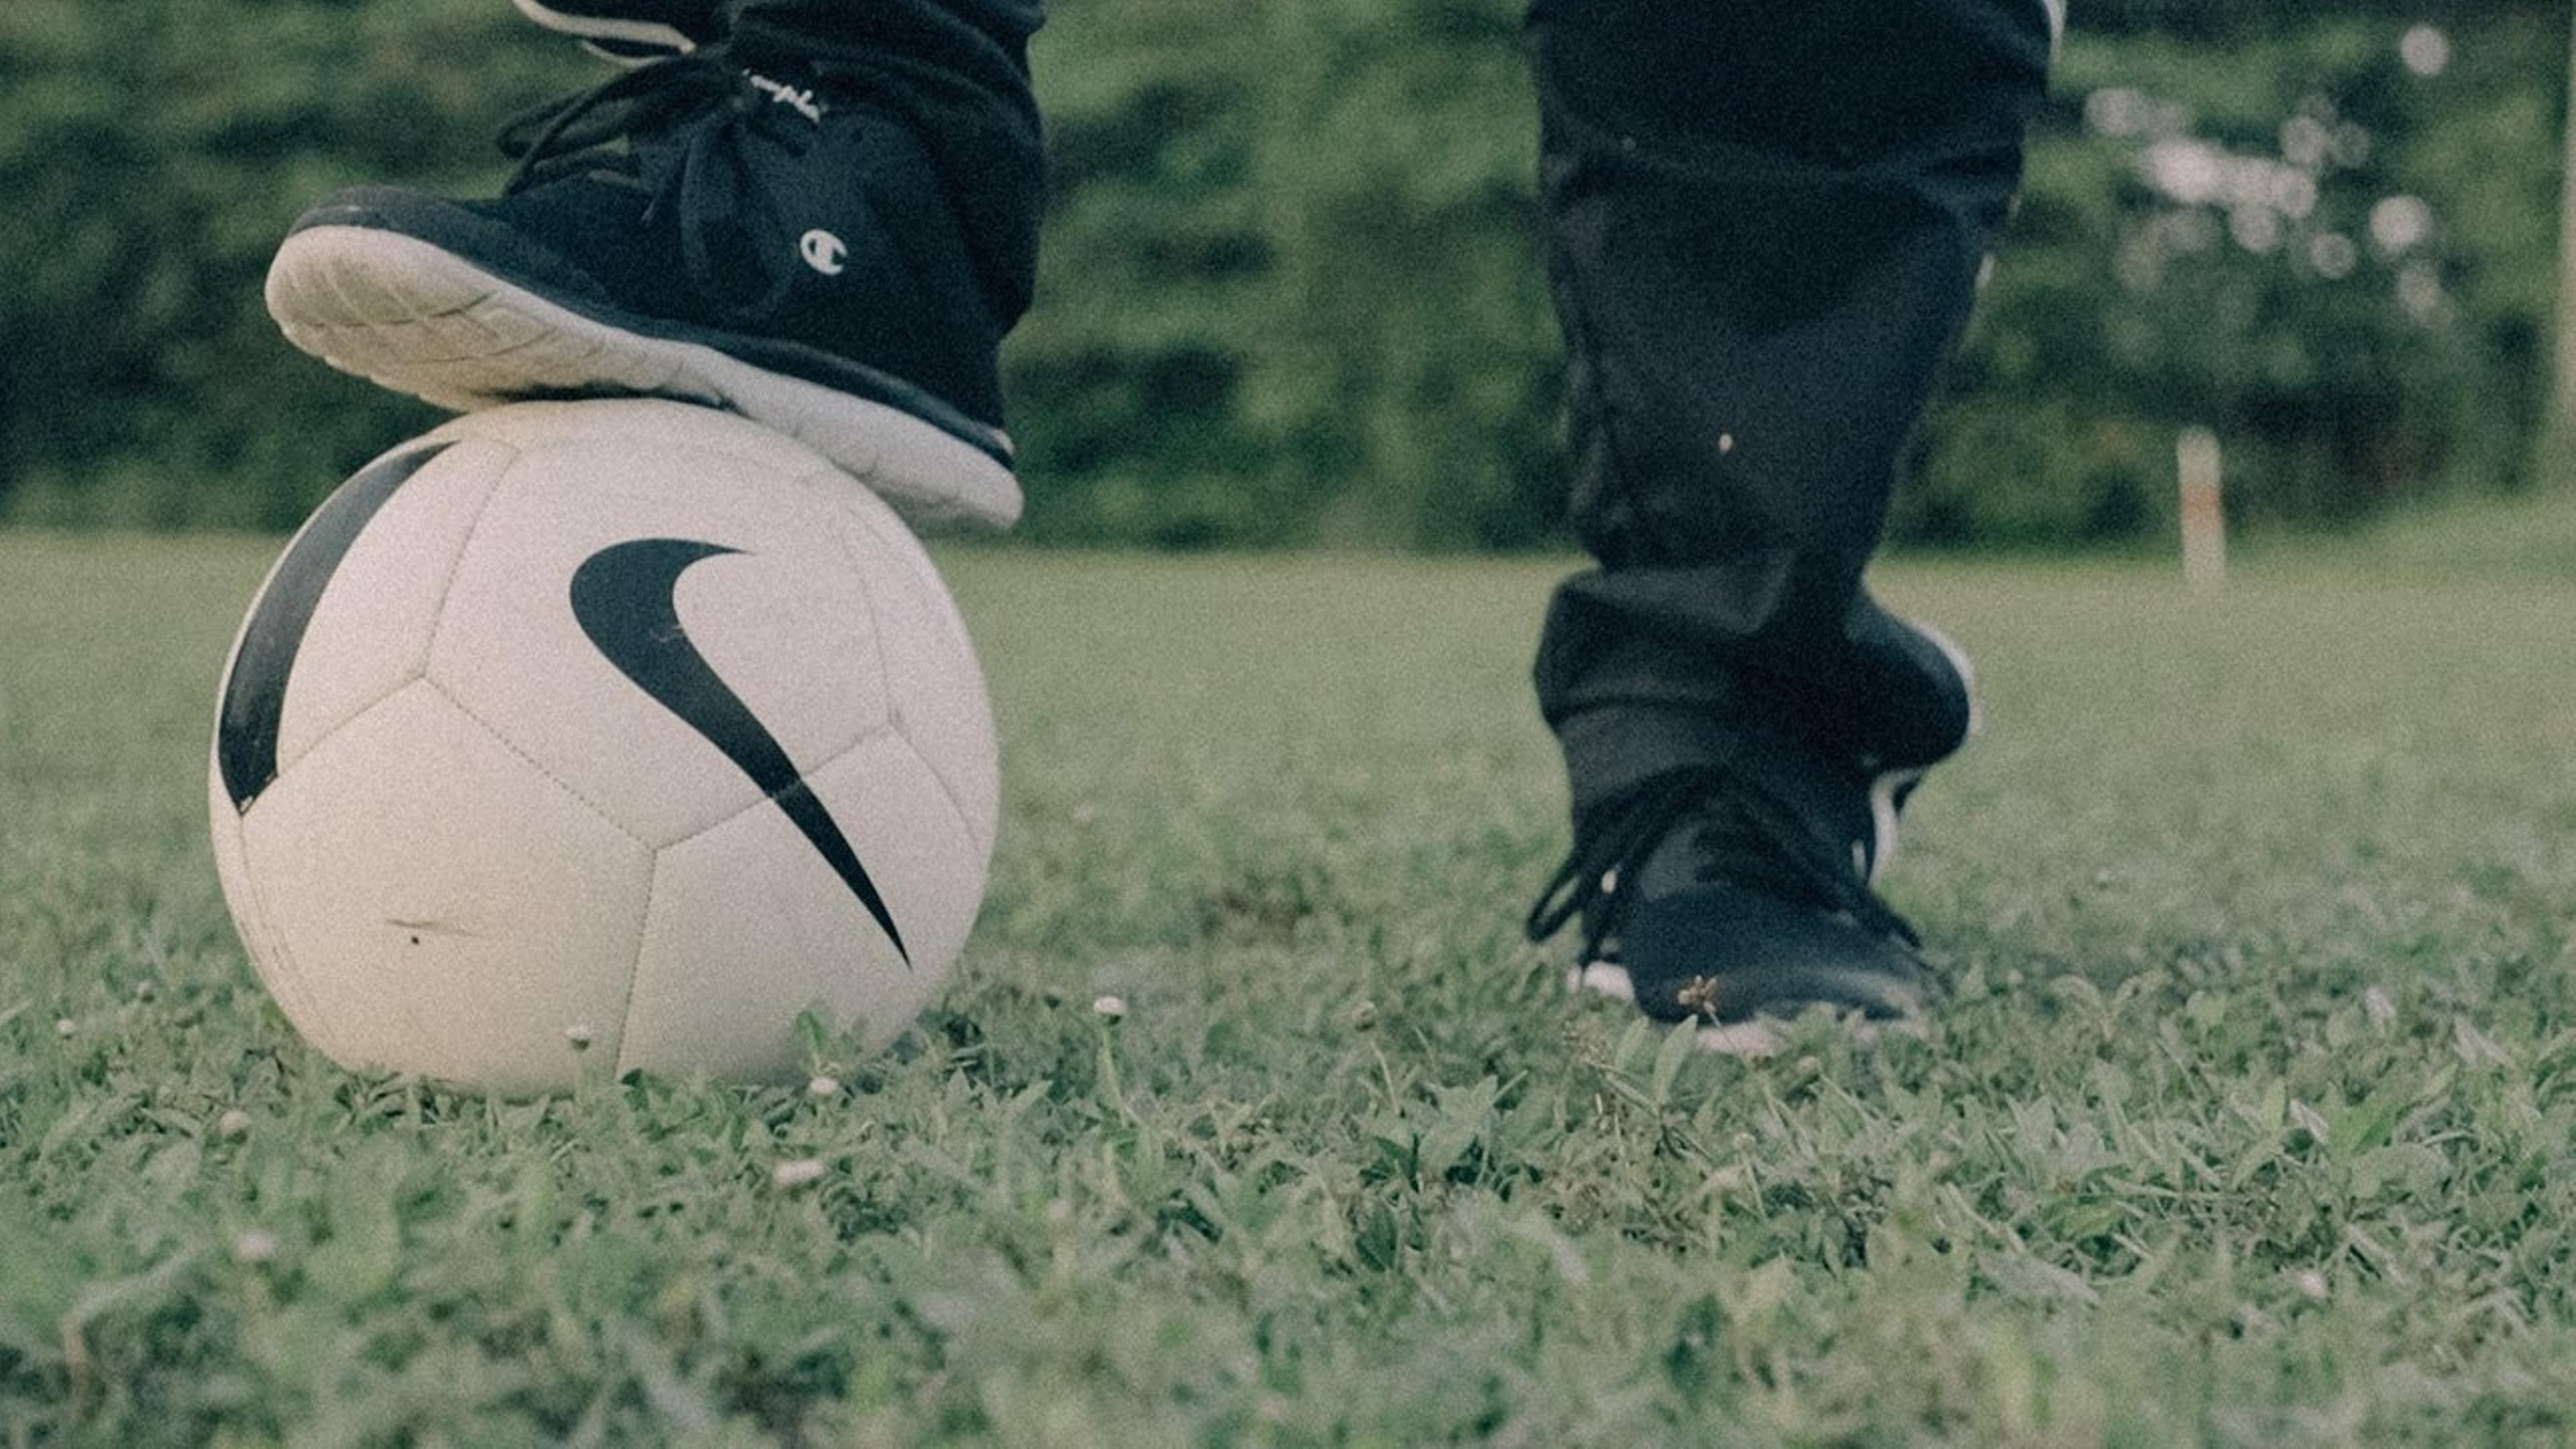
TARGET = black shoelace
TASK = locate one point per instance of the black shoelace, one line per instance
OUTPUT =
(701, 180)
(1749, 836)
(645, 98)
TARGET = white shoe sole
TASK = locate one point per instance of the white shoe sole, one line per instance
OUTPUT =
(415, 318)
(1755, 1038)
(1759, 1036)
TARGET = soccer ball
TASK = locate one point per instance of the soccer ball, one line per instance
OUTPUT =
(620, 727)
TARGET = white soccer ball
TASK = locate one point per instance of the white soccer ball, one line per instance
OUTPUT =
(625, 728)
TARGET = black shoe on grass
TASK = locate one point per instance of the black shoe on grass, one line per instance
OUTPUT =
(761, 244)
(632, 32)
(1739, 895)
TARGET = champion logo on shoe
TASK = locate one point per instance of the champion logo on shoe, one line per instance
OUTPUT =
(824, 252)
(797, 99)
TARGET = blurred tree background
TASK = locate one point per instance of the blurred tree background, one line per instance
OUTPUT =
(1291, 293)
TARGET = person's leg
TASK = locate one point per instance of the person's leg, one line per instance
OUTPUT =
(823, 215)
(1766, 225)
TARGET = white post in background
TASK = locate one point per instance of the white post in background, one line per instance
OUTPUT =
(2204, 522)
(2557, 462)
(2558, 430)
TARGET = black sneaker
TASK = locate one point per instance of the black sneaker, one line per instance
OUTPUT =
(632, 32)
(1740, 895)
(758, 244)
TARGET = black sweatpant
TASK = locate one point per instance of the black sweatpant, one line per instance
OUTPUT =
(1765, 224)
(1765, 227)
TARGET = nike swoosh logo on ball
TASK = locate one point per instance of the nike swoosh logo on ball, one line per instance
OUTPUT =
(625, 597)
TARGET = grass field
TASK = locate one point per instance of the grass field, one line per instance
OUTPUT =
(2250, 1115)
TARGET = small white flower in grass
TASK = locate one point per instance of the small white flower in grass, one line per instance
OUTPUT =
(1112, 1008)
(234, 1123)
(823, 1087)
(579, 1036)
(2376, 1005)
(2312, 1286)
(2425, 49)
(258, 1245)
(797, 1173)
